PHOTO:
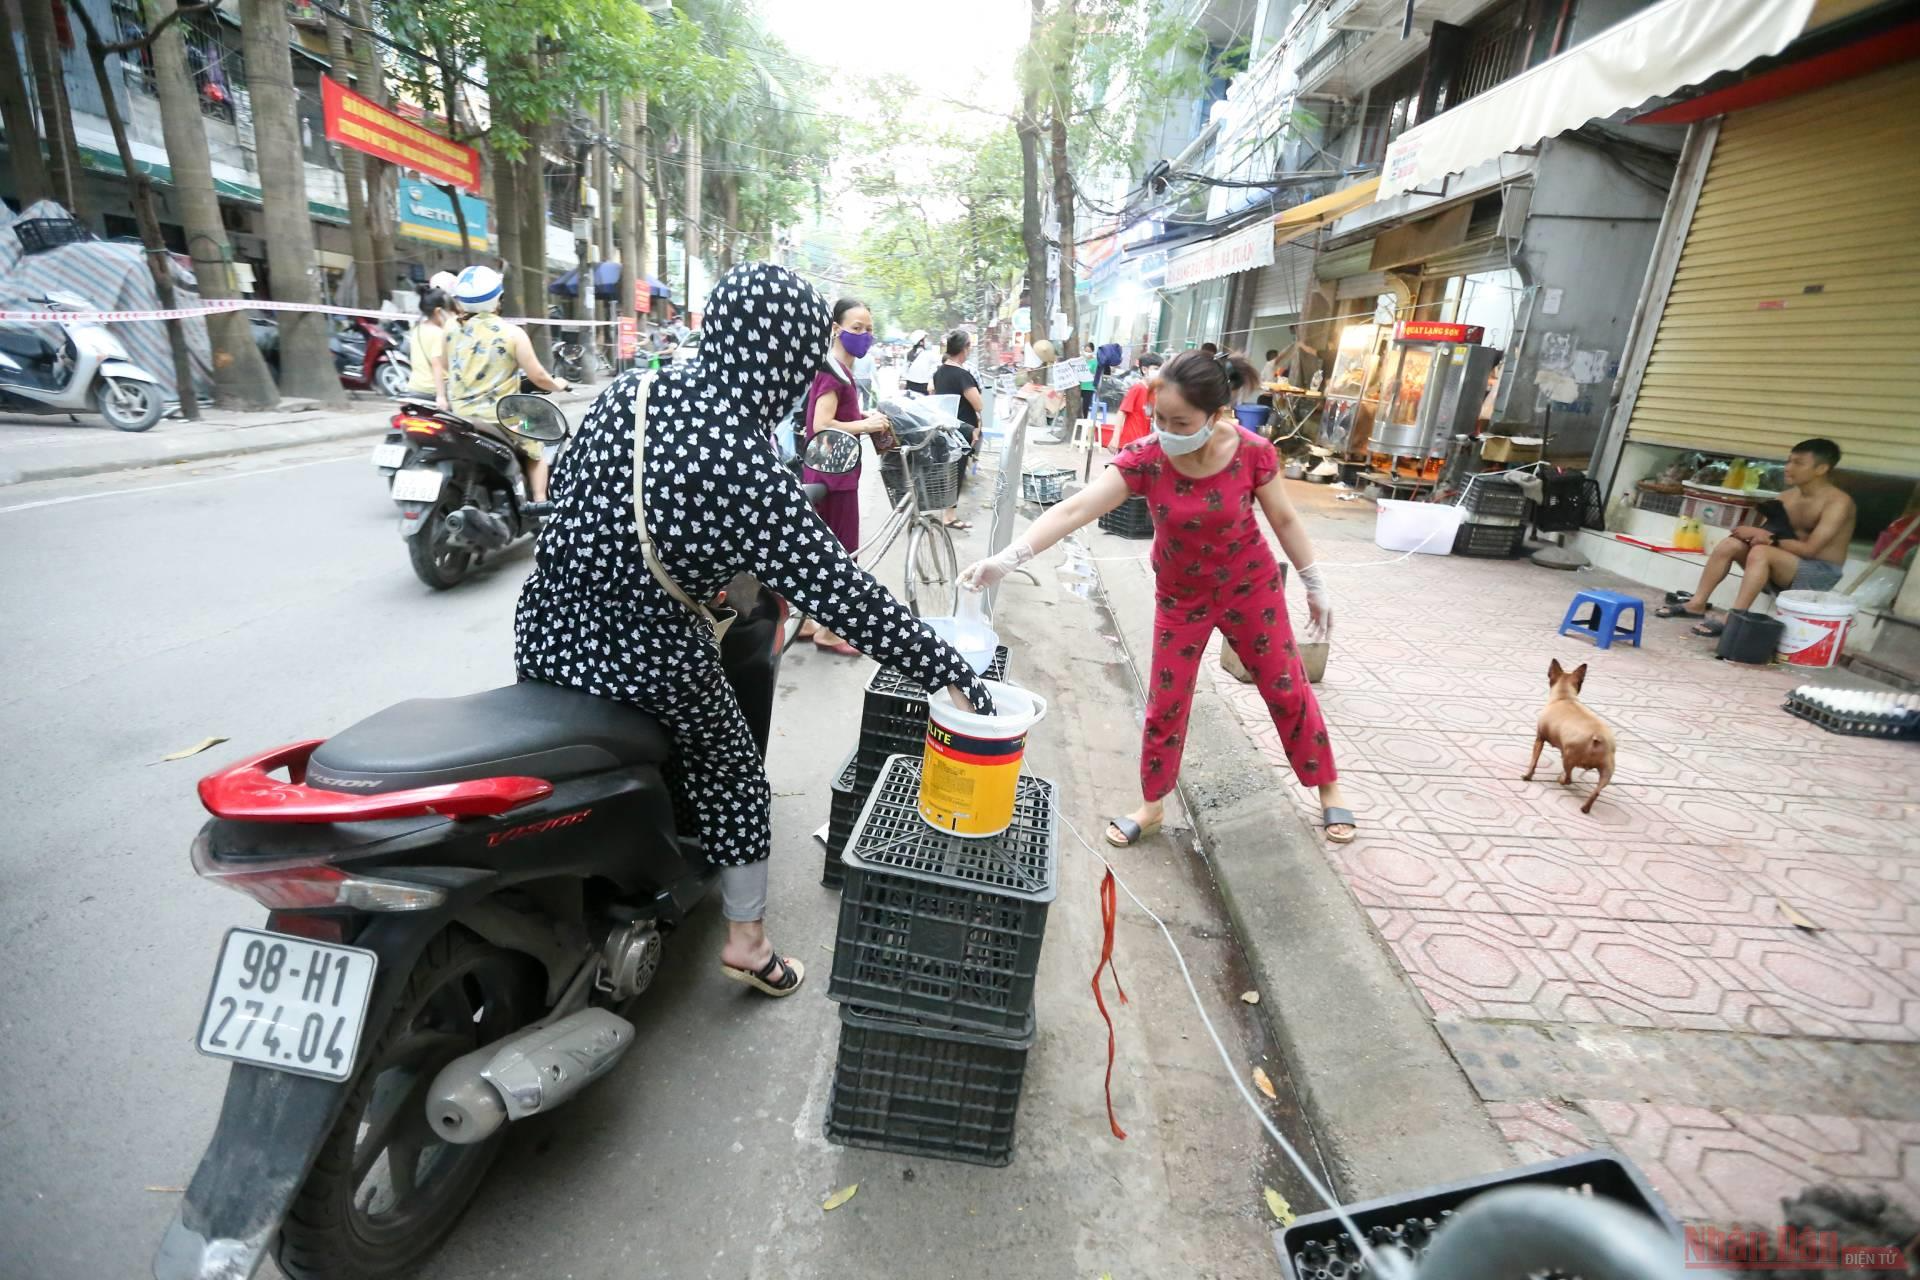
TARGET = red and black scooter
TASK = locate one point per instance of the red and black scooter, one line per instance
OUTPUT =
(369, 355)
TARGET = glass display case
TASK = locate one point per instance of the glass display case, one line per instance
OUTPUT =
(1436, 379)
(1352, 391)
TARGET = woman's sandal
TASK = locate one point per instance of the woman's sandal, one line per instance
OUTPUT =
(840, 647)
(1707, 630)
(1132, 833)
(1333, 816)
(962, 525)
(792, 974)
(1676, 610)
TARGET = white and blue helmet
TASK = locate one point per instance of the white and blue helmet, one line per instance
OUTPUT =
(478, 289)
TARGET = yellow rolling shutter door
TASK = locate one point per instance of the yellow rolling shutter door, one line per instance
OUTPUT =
(1795, 308)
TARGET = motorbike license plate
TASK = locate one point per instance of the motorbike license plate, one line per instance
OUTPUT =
(390, 455)
(417, 485)
(287, 1003)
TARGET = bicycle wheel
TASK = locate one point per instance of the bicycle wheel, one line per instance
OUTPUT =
(933, 574)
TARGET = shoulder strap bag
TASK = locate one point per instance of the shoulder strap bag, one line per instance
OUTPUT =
(716, 620)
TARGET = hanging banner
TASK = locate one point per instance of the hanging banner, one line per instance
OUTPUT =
(352, 121)
(629, 337)
(1244, 250)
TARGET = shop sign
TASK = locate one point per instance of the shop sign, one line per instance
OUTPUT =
(1436, 331)
(1244, 250)
(426, 214)
(643, 296)
(353, 121)
(629, 337)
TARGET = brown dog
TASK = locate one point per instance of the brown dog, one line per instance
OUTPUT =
(1584, 740)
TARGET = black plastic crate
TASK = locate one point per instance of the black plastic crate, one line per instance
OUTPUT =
(943, 927)
(1490, 501)
(893, 719)
(1131, 519)
(1894, 721)
(1569, 502)
(1317, 1246)
(38, 235)
(1045, 485)
(842, 812)
(919, 1090)
(1489, 541)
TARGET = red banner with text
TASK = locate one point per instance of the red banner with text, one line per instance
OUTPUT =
(352, 121)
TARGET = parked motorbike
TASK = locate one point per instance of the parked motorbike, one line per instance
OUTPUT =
(87, 371)
(466, 896)
(461, 492)
(569, 352)
(371, 355)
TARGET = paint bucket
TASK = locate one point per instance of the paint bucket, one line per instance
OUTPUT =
(971, 767)
(1815, 626)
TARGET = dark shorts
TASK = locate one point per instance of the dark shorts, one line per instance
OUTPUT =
(1816, 575)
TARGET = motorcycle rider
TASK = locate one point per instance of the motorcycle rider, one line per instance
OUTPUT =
(486, 358)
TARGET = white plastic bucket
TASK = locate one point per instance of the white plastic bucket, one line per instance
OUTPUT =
(1815, 626)
(968, 632)
(1426, 527)
(970, 772)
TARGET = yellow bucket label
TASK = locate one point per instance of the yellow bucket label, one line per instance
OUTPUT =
(967, 784)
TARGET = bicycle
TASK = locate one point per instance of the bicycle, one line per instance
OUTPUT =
(918, 492)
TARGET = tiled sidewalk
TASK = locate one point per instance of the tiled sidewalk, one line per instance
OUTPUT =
(1653, 923)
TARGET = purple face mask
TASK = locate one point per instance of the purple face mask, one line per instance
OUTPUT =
(857, 344)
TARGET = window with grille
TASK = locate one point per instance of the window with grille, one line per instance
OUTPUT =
(213, 56)
(1495, 51)
(1393, 107)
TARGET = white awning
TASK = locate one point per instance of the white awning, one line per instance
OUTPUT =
(1653, 53)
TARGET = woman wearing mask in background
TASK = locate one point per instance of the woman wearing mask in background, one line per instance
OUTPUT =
(1202, 474)
(718, 501)
(953, 378)
(834, 401)
(427, 348)
(922, 359)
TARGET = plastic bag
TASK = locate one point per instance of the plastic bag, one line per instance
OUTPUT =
(915, 418)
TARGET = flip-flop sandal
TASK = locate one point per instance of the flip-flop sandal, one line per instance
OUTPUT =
(958, 524)
(792, 974)
(1333, 816)
(1708, 630)
(1676, 611)
(840, 647)
(1678, 597)
(1132, 833)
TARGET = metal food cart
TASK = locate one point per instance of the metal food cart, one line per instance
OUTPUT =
(1436, 379)
(1352, 392)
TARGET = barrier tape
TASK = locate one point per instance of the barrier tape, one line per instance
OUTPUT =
(225, 305)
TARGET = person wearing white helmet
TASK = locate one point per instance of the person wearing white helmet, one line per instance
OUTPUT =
(443, 281)
(486, 359)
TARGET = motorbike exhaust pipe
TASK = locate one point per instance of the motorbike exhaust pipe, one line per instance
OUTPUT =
(479, 529)
(525, 1074)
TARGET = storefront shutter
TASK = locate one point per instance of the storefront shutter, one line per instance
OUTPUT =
(1336, 264)
(1283, 287)
(1795, 308)
(1470, 259)
(1368, 285)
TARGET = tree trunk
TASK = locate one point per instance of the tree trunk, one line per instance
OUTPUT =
(1066, 39)
(381, 178)
(140, 189)
(1032, 238)
(354, 165)
(690, 219)
(306, 365)
(659, 214)
(450, 90)
(240, 376)
(730, 215)
(16, 114)
(506, 228)
(56, 117)
(533, 238)
(633, 218)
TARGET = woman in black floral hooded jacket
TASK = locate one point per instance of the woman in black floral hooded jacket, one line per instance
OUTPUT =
(592, 617)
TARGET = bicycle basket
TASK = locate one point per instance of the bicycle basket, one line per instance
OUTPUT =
(938, 483)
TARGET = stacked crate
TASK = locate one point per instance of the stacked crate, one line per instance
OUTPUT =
(893, 721)
(1495, 523)
(934, 964)
(1131, 519)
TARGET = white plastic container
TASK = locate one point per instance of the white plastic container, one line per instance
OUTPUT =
(1426, 527)
(970, 771)
(968, 631)
(1815, 626)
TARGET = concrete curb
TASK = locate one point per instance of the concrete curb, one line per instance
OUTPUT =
(69, 462)
(1389, 1106)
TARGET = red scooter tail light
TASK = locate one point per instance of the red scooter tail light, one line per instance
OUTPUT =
(310, 885)
(415, 425)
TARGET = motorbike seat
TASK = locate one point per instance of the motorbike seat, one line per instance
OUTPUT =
(28, 347)
(528, 729)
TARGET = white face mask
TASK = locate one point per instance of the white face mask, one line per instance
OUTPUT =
(1176, 445)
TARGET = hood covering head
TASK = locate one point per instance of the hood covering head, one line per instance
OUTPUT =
(762, 340)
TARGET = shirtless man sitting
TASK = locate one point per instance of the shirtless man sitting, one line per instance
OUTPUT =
(1822, 518)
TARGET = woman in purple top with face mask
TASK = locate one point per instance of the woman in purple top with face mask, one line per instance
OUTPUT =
(834, 401)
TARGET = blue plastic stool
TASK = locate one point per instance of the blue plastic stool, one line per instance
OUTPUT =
(1604, 626)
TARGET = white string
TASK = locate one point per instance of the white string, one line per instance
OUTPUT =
(1390, 1265)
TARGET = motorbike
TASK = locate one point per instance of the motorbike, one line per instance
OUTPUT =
(461, 493)
(87, 371)
(371, 355)
(569, 352)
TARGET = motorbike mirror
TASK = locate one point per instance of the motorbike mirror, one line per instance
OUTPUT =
(833, 453)
(535, 417)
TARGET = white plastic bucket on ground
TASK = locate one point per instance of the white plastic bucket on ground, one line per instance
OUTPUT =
(1426, 527)
(1815, 625)
(970, 771)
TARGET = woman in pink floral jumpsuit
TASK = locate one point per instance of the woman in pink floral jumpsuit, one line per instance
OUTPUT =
(1201, 474)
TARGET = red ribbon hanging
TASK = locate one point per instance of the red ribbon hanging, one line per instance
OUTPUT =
(1109, 908)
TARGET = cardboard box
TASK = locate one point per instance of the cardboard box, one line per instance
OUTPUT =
(1510, 449)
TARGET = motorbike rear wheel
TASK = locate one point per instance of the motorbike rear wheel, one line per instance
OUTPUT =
(436, 560)
(385, 1190)
(391, 380)
(128, 404)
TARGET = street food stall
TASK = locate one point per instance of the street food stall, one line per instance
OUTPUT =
(1352, 392)
(1435, 380)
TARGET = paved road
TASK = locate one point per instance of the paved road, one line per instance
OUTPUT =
(268, 599)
